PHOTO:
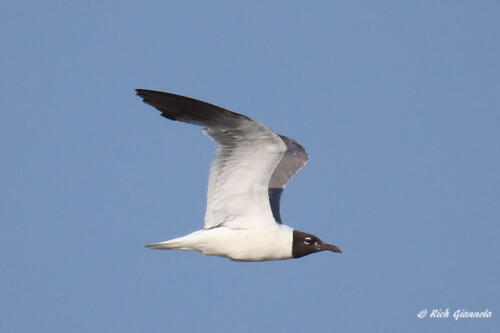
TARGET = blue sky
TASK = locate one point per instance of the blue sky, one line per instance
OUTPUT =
(397, 103)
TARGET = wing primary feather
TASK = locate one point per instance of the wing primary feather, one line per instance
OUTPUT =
(190, 110)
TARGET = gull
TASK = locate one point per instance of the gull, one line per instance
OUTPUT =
(251, 168)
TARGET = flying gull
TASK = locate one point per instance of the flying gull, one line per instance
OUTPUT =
(251, 168)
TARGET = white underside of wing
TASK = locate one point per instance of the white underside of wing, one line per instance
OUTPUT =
(239, 176)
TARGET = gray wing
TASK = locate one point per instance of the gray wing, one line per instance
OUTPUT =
(295, 158)
(246, 156)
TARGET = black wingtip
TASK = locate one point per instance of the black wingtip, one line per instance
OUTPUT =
(142, 93)
(189, 110)
(145, 92)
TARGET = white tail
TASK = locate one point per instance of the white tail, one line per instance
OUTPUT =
(188, 242)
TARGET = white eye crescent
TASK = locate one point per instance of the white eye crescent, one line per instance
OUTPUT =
(307, 240)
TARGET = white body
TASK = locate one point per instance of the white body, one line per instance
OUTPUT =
(270, 243)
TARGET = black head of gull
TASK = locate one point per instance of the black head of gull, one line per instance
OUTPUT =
(304, 244)
(251, 168)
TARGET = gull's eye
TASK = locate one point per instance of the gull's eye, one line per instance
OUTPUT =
(307, 240)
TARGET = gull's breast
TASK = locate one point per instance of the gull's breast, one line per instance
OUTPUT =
(274, 243)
